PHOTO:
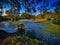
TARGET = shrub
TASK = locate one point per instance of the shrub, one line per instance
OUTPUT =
(1, 18)
(56, 21)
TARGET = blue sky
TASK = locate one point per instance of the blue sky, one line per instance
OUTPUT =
(50, 3)
(23, 9)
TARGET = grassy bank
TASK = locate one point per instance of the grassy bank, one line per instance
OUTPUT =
(21, 40)
(53, 28)
(41, 20)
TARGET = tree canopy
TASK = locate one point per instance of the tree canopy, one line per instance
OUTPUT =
(29, 5)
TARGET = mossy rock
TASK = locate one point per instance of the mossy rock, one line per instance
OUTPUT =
(21, 40)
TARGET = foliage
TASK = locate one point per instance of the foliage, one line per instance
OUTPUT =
(12, 15)
(27, 16)
(56, 4)
(21, 40)
(57, 8)
(17, 4)
(1, 18)
(29, 6)
(56, 21)
(40, 16)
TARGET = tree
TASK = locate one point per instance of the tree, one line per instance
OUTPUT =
(44, 8)
(13, 13)
(29, 5)
(10, 14)
(57, 12)
(57, 8)
(16, 5)
(38, 16)
(27, 16)
(1, 11)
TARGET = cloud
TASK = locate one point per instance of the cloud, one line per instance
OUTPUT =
(4, 12)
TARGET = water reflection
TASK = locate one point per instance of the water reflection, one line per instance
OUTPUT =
(6, 25)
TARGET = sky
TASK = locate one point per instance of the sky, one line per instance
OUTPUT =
(23, 9)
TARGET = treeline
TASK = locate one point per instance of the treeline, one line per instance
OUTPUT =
(17, 17)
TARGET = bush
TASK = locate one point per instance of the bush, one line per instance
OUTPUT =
(56, 21)
(1, 18)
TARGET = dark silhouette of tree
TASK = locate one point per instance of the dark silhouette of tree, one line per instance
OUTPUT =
(29, 5)
(57, 12)
(27, 16)
(57, 8)
(17, 4)
(44, 8)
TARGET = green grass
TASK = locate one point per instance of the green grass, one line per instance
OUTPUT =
(18, 40)
(53, 28)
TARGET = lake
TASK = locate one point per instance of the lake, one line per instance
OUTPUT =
(38, 28)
